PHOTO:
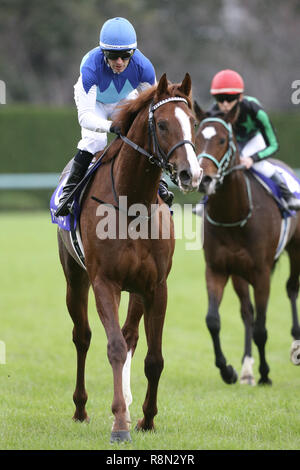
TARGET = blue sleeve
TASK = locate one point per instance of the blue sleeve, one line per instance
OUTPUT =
(148, 74)
(88, 78)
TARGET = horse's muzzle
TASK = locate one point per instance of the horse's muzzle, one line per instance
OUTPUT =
(207, 185)
(188, 180)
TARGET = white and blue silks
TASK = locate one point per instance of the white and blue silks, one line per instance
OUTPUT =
(99, 91)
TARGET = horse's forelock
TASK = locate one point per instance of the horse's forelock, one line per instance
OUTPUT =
(174, 90)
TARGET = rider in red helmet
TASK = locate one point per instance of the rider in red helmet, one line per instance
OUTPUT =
(253, 129)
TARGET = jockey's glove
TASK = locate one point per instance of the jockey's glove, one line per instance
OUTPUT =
(115, 129)
(255, 157)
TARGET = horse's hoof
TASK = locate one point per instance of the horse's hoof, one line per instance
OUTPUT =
(141, 427)
(229, 375)
(247, 380)
(266, 381)
(120, 436)
(85, 419)
(295, 352)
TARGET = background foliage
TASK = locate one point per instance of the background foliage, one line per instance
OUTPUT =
(42, 43)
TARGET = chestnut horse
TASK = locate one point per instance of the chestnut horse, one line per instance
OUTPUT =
(242, 226)
(157, 132)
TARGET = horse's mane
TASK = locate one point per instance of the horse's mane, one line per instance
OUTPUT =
(129, 109)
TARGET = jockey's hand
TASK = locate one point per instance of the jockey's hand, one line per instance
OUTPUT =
(115, 129)
(247, 161)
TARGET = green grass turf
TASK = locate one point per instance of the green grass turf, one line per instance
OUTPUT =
(196, 410)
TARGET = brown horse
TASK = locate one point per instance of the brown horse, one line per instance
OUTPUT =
(242, 226)
(159, 130)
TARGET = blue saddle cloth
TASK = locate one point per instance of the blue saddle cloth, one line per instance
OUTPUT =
(292, 182)
(65, 222)
(69, 222)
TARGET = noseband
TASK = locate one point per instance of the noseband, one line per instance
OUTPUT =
(223, 164)
(158, 156)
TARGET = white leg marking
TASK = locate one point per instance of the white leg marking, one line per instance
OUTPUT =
(126, 384)
(247, 376)
(187, 135)
(295, 352)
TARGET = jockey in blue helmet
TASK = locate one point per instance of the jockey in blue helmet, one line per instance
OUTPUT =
(118, 34)
(113, 71)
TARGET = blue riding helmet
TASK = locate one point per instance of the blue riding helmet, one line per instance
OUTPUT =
(117, 34)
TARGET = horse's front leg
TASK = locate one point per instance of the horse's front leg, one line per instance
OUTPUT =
(292, 287)
(261, 295)
(130, 332)
(241, 287)
(154, 317)
(107, 297)
(216, 282)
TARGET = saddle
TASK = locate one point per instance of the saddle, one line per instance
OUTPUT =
(69, 223)
(292, 182)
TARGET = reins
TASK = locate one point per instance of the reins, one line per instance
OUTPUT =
(158, 156)
(222, 166)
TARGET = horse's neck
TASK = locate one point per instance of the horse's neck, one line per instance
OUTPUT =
(230, 202)
(135, 177)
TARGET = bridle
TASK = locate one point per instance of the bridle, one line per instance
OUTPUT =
(224, 168)
(158, 156)
(225, 161)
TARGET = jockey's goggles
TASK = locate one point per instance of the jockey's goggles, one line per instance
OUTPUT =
(114, 55)
(224, 97)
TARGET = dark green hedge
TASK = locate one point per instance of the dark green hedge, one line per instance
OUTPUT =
(38, 139)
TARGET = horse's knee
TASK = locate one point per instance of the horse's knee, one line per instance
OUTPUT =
(82, 338)
(292, 288)
(116, 350)
(260, 335)
(153, 367)
(213, 323)
(131, 337)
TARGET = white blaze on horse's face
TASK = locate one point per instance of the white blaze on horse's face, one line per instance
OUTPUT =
(209, 132)
(186, 127)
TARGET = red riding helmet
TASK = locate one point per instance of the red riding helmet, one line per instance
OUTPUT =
(227, 82)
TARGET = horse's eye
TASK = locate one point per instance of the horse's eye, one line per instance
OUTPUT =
(222, 140)
(162, 125)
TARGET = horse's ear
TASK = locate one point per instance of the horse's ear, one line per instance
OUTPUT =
(232, 115)
(200, 114)
(162, 85)
(186, 85)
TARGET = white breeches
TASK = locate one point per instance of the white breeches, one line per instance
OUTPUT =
(254, 145)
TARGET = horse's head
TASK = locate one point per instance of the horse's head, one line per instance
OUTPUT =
(215, 145)
(172, 126)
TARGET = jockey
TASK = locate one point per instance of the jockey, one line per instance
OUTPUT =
(114, 71)
(253, 129)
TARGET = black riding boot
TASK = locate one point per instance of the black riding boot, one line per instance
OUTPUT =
(80, 164)
(292, 202)
(166, 195)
